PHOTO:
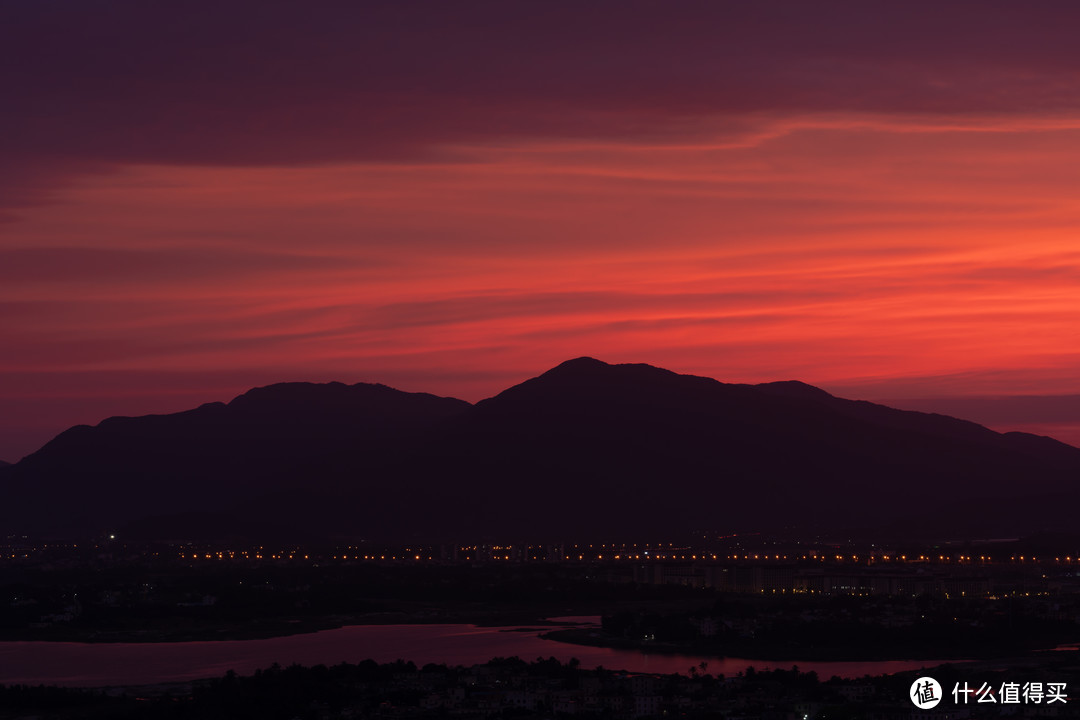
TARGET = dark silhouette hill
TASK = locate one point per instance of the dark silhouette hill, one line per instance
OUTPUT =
(586, 450)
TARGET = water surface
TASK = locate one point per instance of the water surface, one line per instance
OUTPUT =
(104, 664)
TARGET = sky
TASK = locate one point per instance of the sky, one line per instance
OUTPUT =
(197, 198)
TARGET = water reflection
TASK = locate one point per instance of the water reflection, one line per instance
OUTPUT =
(99, 665)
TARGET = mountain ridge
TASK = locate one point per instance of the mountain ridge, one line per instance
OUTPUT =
(580, 449)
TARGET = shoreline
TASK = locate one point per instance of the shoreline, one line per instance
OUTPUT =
(767, 652)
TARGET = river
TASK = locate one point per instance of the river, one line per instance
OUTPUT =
(111, 664)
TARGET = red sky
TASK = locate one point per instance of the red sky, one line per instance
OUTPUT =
(877, 198)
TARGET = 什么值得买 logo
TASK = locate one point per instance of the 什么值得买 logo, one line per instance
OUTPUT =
(925, 693)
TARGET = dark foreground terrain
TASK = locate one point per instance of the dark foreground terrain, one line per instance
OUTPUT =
(513, 688)
(844, 628)
(851, 609)
(168, 602)
(816, 608)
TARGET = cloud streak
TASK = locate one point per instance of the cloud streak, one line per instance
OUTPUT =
(264, 83)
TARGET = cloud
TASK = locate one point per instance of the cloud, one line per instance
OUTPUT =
(34, 265)
(271, 83)
(457, 196)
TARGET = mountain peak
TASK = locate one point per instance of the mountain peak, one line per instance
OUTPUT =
(586, 367)
(306, 397)
(583, 364)
(583, 383)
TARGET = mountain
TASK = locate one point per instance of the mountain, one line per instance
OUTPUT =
(585, 450)
(220, 463)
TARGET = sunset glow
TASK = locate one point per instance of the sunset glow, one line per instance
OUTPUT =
(882, 222)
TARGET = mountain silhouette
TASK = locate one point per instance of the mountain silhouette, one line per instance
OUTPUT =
(585, 450)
